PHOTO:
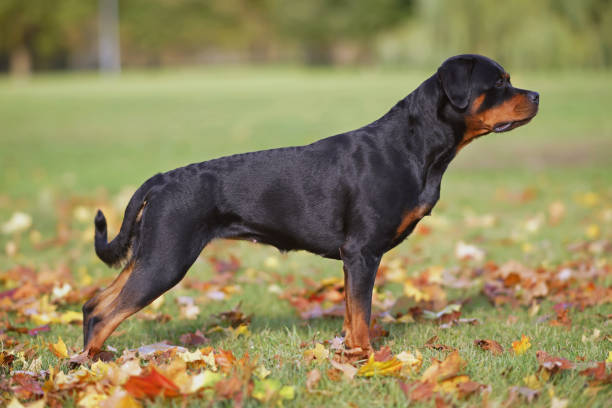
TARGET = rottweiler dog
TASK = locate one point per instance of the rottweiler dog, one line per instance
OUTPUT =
(350, 197)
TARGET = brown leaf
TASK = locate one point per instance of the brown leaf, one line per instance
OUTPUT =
(441, 370)
(230, 388)
(598, 374)
(312, 379)
(553, 364)
(377, 331)
(232, 318)
(527, 393)
(6, 359)
(384, 354)
(78, 359)
(563, 319)
(348, 370)
(491, 345)
(466, 389)
(28, 386)
(334, 374)
(440, 347)
(422, 391)
(221, 266)
(194, 339)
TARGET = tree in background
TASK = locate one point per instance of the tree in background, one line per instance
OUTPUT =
(33, 33)
(322, 27)
(546, 34)
(157, 32)
(525, 33)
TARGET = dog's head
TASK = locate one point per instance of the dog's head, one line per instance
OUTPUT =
(479, 90)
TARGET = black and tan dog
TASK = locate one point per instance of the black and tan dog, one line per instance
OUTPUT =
(352, 196)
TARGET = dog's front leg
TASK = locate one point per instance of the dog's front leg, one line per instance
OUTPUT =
(360, 267)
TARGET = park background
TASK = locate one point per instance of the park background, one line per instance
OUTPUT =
(97, 96)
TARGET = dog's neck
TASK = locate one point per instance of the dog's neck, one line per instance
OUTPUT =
(419, 126)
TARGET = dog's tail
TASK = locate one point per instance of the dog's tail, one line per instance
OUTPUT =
(114, 253)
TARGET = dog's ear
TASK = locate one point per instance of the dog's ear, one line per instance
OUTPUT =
(455, 76)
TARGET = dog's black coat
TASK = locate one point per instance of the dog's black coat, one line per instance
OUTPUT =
(343, 197)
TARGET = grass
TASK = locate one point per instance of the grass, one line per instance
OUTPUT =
(84, 136)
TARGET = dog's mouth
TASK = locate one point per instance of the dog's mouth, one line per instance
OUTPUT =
(506, 126)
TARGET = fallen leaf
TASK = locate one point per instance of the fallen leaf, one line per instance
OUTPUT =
(347, 370)
(491, 345)
(441, 370)
(529, 394)
(465, 251)
(373, 368)
(151, 385)
(158, 347)
(193, 339)
(312, 379)
(467, 388)
(521, 346)
(558, 403)
(59, 349)
(410, 362)
(319, 353)
(384, 354)
(552, 364)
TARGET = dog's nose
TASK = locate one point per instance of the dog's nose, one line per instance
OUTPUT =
(534, 97)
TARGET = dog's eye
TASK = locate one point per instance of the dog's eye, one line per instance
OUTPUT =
(500, 83)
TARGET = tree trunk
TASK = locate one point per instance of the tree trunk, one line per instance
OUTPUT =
(20, 62)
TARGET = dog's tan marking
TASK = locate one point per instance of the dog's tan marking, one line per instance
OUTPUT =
(103, 299)
(515, 109)
(105, 327)
(358, 330)
(139, 215)
(409, 217)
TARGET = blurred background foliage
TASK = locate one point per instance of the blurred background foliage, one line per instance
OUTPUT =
(544, 34)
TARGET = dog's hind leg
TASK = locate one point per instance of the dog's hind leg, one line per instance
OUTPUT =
(161, 261)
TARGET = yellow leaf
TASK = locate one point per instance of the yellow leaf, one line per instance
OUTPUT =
(411, 362)
(59, 349)
(372, 368)
(287, 392)
(70, 316)
(91, 400)
(40, 319)
(119, 399)
(209, 359)
(522, 345)
(442, 370)
(204, 379)
(592, 231)
(262, 372)
(413, 292)
(533, 382)
(189, 357)
(449, 386)
(100, 369)
(609, 359)
(242, 330)
(589, 199)
(558, 402)
(318, 353)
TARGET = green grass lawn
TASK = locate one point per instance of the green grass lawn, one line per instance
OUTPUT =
(89, 140)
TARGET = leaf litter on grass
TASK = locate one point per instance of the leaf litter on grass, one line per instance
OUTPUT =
(35, 299)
